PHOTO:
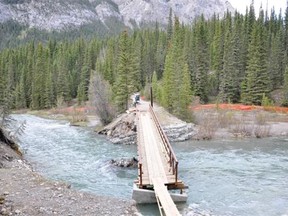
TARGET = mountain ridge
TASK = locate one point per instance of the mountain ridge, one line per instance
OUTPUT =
(65, 14)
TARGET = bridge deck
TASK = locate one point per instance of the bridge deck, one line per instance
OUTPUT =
(156, 170)
(155, 163)
(164, 197)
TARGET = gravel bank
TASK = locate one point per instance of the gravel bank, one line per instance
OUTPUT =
(26, 193)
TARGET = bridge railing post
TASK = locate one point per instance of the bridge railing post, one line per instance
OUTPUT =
(176, 171)
(140, 175)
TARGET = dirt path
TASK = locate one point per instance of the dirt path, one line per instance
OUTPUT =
(26, 193)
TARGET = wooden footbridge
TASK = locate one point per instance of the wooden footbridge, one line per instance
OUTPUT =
(157, 166)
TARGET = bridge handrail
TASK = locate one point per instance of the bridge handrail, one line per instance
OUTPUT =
(139, 152)
(172, 157)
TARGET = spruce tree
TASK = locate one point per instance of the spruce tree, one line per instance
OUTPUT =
(231, 74)
(38, 74)
(257, 80)
(276, 61)
(168, 82)
(82, 93)
(286, 33)
(201, 60)
(185, 95)
(125, 84)
(285, 88)
(176, 95)
(170, 26)
(62, 81)
(20, 98)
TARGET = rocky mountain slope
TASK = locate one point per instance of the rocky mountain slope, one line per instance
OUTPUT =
(61, 14)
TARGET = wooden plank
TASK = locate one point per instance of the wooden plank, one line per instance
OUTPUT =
(164, 197)
(155, 164)
(153, 157)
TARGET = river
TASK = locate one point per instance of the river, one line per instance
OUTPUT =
(225, 177)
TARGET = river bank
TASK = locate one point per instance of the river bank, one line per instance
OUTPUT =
(210, 121)
(25, 192)
(230, 122)
(56, 150)
(209, 124)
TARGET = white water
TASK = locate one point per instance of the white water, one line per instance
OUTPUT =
(244, 177)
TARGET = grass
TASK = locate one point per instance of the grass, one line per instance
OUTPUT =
(256, 123)
(261, 131)
(75, 115)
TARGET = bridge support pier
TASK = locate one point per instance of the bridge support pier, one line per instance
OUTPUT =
(144, 196)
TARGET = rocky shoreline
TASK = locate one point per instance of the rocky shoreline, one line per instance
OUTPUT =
(123, 130)
(211, 124)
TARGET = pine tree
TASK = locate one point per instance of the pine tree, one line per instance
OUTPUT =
(20, 98)
(109, 62)
(185, 95)
(286, 33)
(82, 93)
(29, 73)
(125, 83)
(38, 74)
(176, 94)
(201, 60)
(231, 74)
(155, 86)
(49, 88)
(170, 26)
(257, 79)
(160, 55)
(285, 89)
(62, 81)
(276, 61)
(2, 82)
(168, 83)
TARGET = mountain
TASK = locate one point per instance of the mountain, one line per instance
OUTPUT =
(66, 14)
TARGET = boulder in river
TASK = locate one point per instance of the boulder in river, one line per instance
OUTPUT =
(125, 162)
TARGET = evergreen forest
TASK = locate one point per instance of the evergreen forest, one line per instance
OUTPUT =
(235, 59)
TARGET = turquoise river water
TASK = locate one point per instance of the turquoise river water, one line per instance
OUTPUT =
(225, 177)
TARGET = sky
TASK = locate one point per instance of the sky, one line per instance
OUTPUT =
(240, 5)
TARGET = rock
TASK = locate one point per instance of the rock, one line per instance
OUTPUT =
(122, 130)
(6, 193)
(17, 211)
(58, 15)
(42, 210)
(141, 11)
(4, 211)
(2, 200)
(180, 132)
(125, 162)
(7, 157)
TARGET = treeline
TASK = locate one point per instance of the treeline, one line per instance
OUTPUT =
(239, 58)
(13, 34)
(37, 76)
